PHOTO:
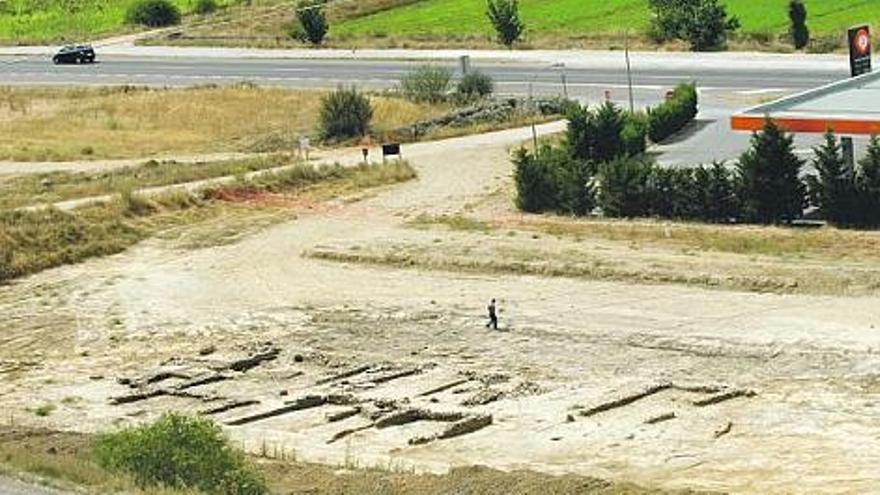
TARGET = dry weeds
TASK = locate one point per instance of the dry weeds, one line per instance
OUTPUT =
(52, 124)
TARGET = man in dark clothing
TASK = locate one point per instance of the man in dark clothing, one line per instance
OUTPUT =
(493, 318)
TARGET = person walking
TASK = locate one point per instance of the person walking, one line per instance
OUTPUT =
(493, 317)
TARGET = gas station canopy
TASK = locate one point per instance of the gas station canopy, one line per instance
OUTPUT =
(851, 106)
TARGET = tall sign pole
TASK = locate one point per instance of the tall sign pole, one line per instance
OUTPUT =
(859, 38)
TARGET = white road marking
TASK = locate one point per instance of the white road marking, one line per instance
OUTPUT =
(762, 91)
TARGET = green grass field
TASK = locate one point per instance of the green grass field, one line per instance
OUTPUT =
(588, 18)
(549, 23)
(23, 21)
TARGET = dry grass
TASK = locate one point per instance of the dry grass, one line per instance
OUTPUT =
(71, 465)
(31, 241)
(826, 243)
(760, 259)
(51, 124)
(62, 460)
(33, 189)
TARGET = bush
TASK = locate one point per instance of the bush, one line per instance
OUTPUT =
(179, 452)
(475, 85)
(504, 16)
(771, 190)
(153, 13)
(868, 185)
(205, 7)
(624, 187)
(427, 83)
(716, 193)
(704, 24)
(833, 190)
(590, 140)
(345, 114)
(800, 33)
(634, 134)
(553, 181)
(312, 21)
(673, 193)
(535, 184)
(674, 114)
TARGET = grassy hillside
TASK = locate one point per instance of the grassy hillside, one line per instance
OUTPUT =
(590, 18)
(551, 23)
(23, 21)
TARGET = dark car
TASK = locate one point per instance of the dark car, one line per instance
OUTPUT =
(75, 54)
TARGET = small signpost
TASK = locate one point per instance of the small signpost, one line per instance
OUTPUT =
(465, 63)
(365, 143)
(390, 149)
(860, 50)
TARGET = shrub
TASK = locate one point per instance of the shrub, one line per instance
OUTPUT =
(535, 184)
(475, 85)
(868, 185)
(552, 180)
(704, 24)
(504, 16)
(800, 33)
(833, 190)
(153, 13)
(624, 187)
(205, 7)
(674, 114)
(634, 134)
(179, 452)
(312, 21)
(427, 83)
(673, 193)
(572, 179)
(770, 186)
(345, 114)
(716, 193)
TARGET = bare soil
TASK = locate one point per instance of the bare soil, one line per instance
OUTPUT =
(362, 365)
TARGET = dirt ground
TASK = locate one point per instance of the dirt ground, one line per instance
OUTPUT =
(363, 365)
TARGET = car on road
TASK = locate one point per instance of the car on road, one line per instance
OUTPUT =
(75, 54)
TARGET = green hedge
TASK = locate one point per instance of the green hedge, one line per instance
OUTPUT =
(674, 114)
(634, 187)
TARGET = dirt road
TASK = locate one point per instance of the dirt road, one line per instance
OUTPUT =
(14, 487)
(662, 385)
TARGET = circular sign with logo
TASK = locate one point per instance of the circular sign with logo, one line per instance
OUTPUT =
(863, 42)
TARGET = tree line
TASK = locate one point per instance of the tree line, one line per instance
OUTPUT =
(598, 170)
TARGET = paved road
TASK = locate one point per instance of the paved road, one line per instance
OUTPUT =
(383, 73)
(728, 81)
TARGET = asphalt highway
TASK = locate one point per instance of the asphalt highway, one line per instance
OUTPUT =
(514, 78)
(725, 88)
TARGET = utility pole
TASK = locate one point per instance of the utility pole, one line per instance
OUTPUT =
(628, 71)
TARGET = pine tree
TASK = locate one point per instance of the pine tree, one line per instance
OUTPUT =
(609, 128)
(312, 20)
(868, 184)
(834, 190)
(797, 14)
(535, 183)
(504, 16)
(715, 197)
(769, 173)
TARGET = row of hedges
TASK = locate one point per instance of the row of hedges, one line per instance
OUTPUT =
(593, 172)
(640, 188)
(671, 116)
